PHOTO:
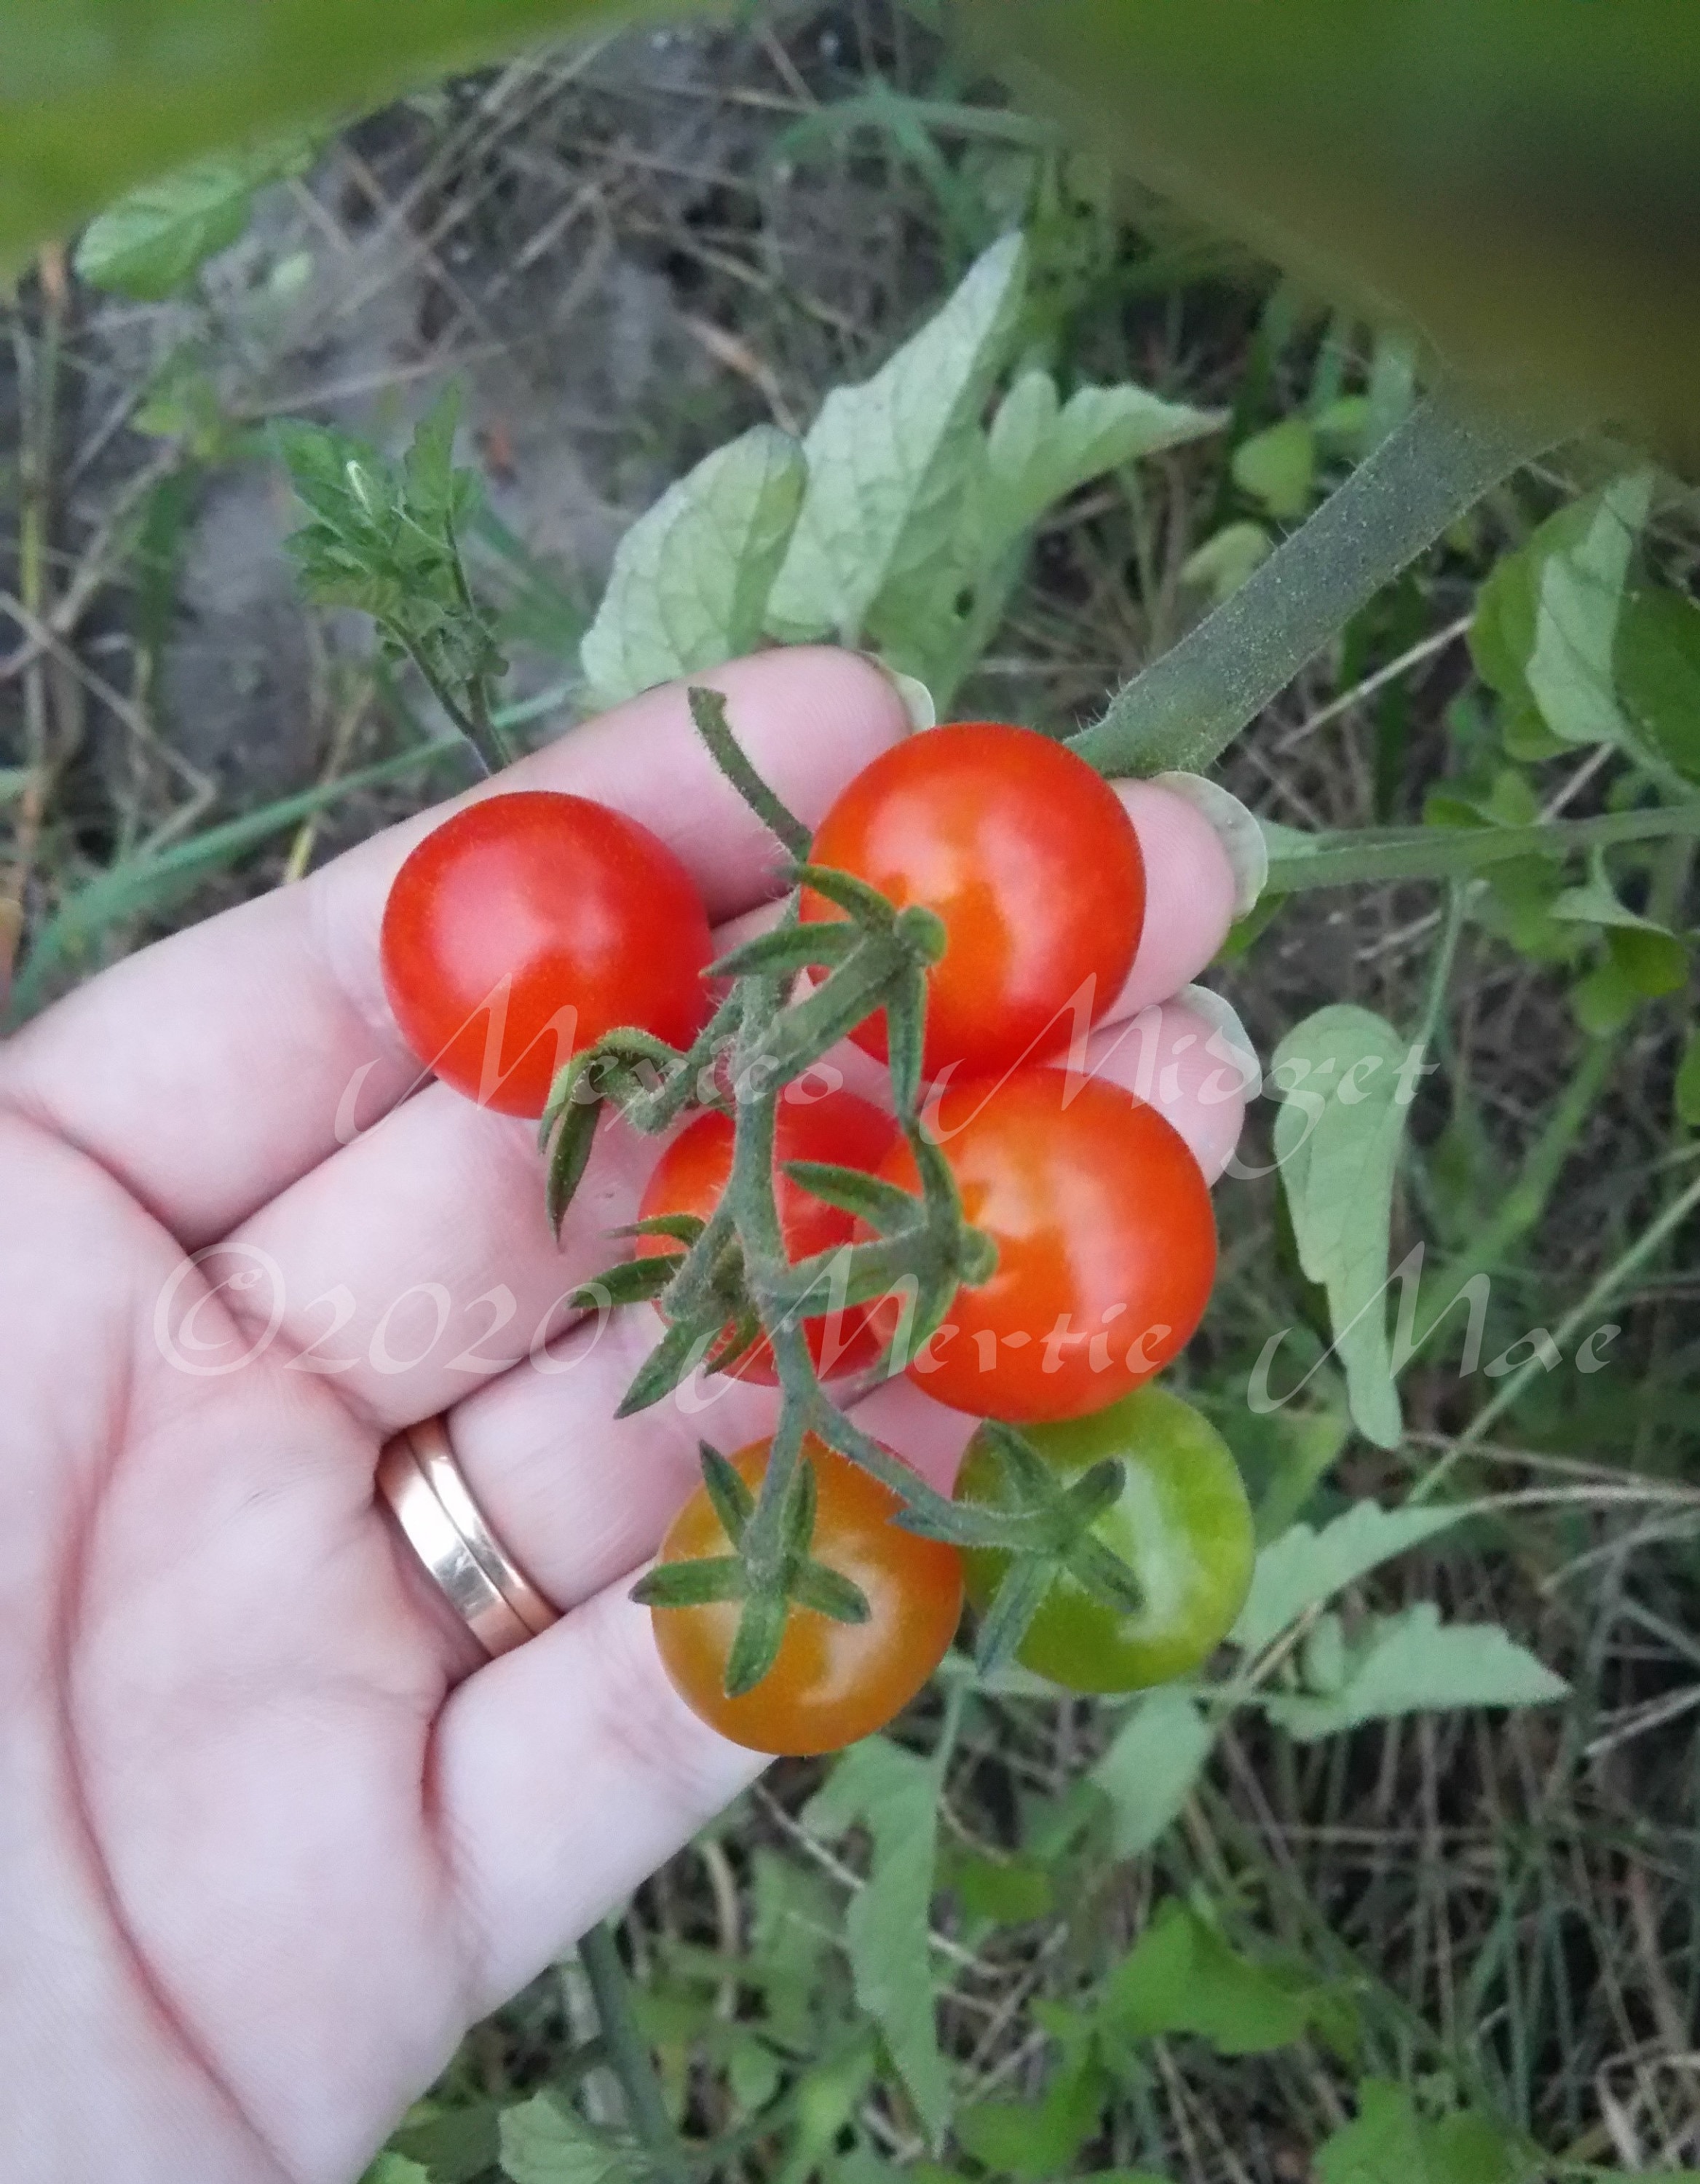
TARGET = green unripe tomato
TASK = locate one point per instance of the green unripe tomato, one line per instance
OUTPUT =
(1181, 1523)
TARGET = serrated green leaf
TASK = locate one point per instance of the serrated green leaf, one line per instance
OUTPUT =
(1183, 1977)
(1304, 1566)
(151, 242)
(1338, 1136)
(1148, 1772)
(544, 2143)
(889, 460)
(1039, 449)
(896, 1795)
(1412, 1663)
(691, 577)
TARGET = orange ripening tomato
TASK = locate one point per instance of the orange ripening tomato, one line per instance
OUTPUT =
(692, 1172)
(1028, 856)
(1106, 1241)
(832, 1682)
(528, 924)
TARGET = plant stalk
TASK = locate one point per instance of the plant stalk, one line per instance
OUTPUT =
(628, 2055)
(1184, 710)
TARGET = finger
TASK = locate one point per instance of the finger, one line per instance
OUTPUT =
(1189, 895)
(208, 1072)
(567, 1772)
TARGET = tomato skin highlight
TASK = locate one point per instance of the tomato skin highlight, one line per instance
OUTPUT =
(1106, 1238)
(1182, 1522)
(1027, 854)
(574, 917)
(832, 1682)
(692, 1172)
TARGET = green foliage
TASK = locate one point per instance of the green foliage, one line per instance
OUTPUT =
(1183, 1977)
(1277, 467)
(96, 96)
(1390, 2143)
(1686, 1093)
(154, 240)
(1338, 1137)
(543, 2143)
(1038, 2139)
(385, 538)
(1148, 1772)
(1304, 1567)
(903, 523)
(395, 2169)
(1407, 1663)
(1657, 664)
(895, 1796)
(890, 460)
(691, 578)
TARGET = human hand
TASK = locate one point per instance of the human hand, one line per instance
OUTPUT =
(276, 1833)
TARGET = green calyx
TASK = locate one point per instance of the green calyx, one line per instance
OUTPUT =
(769, 1571)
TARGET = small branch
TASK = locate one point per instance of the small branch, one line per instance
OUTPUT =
(1356, 856)
(628, 2055)
(1184, 710)
(708, 711)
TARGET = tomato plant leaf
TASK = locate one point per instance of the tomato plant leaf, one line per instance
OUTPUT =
(1390, 2143)
(887, 459)
(791, 948)
(1039, 2139)
(1658, 663)
(1304, 1566)
(691, 577)
(1182, 1977)
(674, 1358)
(395, 2169)
(633, 1281)
(706, 1581)
(896, 1795)
(1278, 467)
(151, 242)
(1546, 625)
(1040, 449)
(1149, 1769)
(1410, 1662)
(543, 2143)
(1338, 1137)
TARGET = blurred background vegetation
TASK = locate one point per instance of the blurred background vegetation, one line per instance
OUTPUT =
(628, 249)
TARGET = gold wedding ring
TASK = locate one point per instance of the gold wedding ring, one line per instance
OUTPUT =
(482, 1582)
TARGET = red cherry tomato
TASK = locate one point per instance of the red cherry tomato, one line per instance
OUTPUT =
(693, 1172)
(1028, 856)
(833, 1682)
(528, 925)
(1106, 1239)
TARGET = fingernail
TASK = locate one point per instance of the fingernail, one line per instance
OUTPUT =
(1234, 826)
(917, 698)
(1223, 1019)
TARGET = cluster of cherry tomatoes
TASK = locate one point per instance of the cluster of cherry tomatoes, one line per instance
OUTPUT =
(531, 924)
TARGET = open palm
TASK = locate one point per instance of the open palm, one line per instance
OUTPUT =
(269, 1846)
